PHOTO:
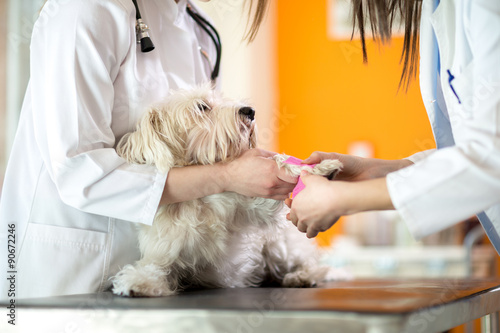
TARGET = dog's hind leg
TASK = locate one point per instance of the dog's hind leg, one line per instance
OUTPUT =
(293, 260)
(143, 279)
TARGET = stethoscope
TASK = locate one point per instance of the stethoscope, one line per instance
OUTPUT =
(142, 35)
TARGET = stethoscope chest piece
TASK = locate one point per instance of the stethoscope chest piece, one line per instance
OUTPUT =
(142, 31)
(142, 34)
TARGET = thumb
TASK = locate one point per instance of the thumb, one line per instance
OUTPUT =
(310, 160)
(304, 175)
(314, 158)
(284, 176)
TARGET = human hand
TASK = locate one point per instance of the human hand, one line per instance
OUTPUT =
(322, 202)
(358, 168)
(255, 174)
(354, 167)
(318, 206)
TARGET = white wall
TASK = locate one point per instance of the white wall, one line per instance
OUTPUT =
(16, 23)
(21, 16)
(3, 87)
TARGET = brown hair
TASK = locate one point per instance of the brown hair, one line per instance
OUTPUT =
(261, 7)
(381, 14)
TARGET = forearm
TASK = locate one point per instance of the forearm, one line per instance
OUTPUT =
(193, 182)
(323, 202)
(360, 169)
(367, 195)
(253, 174)
(377, 168)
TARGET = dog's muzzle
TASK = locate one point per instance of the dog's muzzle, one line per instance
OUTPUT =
(247, 112)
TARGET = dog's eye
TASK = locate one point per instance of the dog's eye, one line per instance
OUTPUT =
(204, 107)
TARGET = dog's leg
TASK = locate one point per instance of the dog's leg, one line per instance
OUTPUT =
(143, 279)
(305, 276)
(293, 260)
(309, 274)
(327, 168)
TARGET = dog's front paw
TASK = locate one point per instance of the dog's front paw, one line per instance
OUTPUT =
(327, 168)
(293, 166)
(149, 280)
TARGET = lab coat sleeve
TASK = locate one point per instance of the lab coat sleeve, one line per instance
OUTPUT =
(457, 182)
(420, 155)
(76, 51)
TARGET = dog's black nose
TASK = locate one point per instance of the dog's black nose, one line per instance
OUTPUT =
(247, 112)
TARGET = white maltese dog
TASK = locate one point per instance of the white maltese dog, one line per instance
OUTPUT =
(222, 240)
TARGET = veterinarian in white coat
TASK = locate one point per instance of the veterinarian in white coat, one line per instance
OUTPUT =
(68, 199)
(460, 84)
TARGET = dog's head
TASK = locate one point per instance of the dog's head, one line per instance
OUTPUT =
(193, 127)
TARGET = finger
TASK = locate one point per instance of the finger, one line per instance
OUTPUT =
(311, 233)
(308, 178)
(301, 226)
(284, 176)
(288, 202)
(278, 197)
(283, 187)
(304, 175)
(293, 218)
(280, 193)
(314, 158)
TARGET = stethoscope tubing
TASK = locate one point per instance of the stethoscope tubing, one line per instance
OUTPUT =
(141, 30)
(137, 11)
(147, 45)
(214, 35)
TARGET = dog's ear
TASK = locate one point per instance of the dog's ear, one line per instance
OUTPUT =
(253, 137)
(147, 144)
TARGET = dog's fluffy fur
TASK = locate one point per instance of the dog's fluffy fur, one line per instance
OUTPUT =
(222, 240)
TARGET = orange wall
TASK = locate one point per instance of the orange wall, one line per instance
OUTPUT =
(330, 98)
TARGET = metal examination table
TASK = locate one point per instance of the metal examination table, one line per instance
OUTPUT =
(371, 306)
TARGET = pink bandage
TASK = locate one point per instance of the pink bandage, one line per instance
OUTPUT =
(300, 185)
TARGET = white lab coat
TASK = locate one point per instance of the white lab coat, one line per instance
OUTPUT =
(462, 177)
(74, 202)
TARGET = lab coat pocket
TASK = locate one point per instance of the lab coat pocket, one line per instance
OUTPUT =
(462, 92)
(57, 260)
